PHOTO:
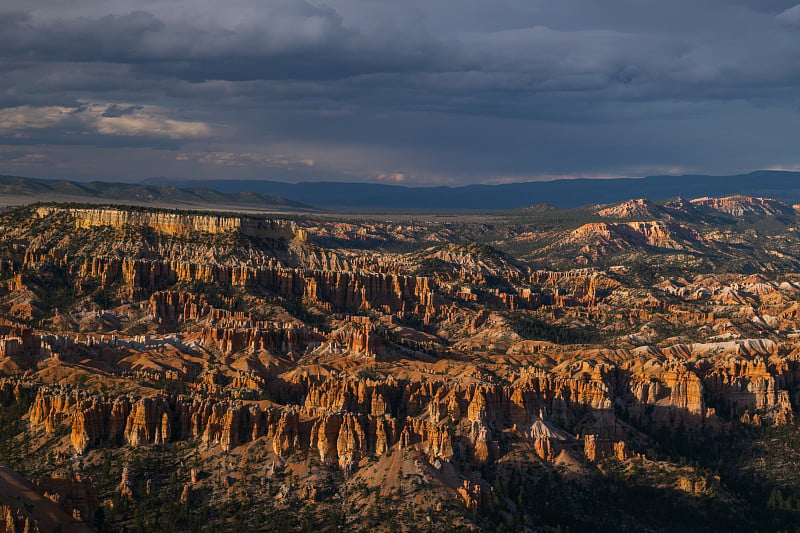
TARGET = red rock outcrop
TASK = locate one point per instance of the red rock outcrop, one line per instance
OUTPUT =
(180, 224)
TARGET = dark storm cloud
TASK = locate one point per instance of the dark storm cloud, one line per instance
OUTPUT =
(791, 17)
(447, 90)
(288, 40)
(116, 111)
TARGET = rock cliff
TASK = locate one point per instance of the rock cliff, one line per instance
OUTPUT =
(180, 223)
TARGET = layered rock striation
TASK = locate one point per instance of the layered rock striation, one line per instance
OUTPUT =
(180, 223)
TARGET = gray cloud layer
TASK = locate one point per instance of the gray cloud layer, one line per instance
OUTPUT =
(445, 91)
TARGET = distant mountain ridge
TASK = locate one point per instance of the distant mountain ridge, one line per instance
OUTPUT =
(565, 193)
(255, 194)
(151, 194)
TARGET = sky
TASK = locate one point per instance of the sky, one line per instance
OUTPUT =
(415, 92)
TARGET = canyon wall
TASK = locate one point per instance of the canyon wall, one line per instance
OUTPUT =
(180, 223)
